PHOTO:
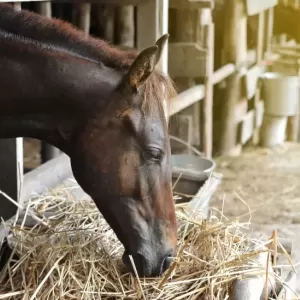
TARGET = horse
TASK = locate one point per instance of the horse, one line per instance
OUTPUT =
(104, 108)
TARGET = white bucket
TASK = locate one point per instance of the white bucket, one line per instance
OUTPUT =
(281, 94)
(273, 131)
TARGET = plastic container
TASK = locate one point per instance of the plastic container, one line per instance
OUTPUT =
(281, 94)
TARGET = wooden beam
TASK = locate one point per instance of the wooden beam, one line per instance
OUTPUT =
(223, 73)
(235, 51)
(186, 98)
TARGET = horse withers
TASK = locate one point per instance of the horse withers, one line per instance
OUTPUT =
(104, 108)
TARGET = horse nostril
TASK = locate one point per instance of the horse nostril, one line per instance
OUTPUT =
(166, 263)
(137, 263)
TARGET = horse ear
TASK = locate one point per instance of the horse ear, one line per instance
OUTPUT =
(144, 64)
(142, 67)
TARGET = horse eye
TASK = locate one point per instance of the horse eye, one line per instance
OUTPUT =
(154, 154)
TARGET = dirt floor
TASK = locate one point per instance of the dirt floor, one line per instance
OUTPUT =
(265, 181)
(268, 182)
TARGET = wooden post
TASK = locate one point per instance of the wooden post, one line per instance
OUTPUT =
(85, 17)
(11, 175)
(45, 9)
(106, 21)
(269, 29)
(152, 22)
(17, 5)
(185, 30)
(125, 25)
(235, 51)
(208, 99)
(259, 57)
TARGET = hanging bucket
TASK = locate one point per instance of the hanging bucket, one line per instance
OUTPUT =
(281, 94)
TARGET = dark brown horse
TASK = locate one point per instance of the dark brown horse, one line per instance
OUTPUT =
(104, 108)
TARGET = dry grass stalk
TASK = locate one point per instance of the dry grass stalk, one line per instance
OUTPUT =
(79, 258)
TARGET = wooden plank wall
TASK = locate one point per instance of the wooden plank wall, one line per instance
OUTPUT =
(212, 50)
(242, 107)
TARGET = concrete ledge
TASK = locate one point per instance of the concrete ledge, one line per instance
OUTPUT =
(46, 176)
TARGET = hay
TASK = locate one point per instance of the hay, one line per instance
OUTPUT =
(79, 257)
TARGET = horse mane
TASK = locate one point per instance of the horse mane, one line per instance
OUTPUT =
(61, 35)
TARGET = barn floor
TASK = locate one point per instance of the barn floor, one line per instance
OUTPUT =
(268, 181)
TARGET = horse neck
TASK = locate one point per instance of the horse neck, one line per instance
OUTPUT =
(47, 95)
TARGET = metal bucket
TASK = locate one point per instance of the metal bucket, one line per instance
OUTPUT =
(281, 94)
(190, 179)
(191, 166)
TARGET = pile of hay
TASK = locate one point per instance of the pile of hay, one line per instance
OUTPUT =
(80, 258)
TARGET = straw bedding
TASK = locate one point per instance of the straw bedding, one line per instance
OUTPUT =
(79, 257)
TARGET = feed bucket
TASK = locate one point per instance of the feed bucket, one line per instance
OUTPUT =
(189, 177)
